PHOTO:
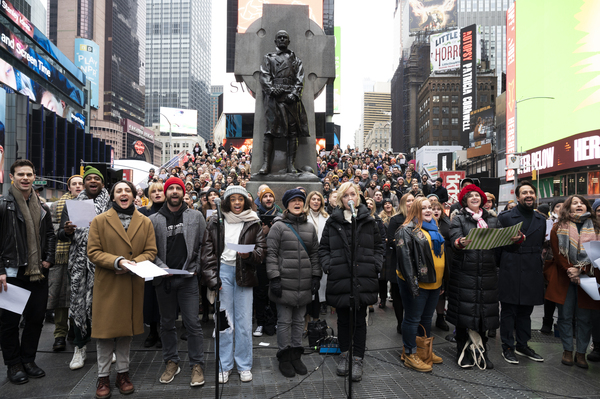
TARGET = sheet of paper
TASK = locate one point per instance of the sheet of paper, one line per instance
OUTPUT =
(592, 248)
(81, 213)
(177, 271)
(590, 286)
(263, 344)
(549, 225)
(14, 298)
(147, 269)
(209, 213)
(492, 238)
(243, 249)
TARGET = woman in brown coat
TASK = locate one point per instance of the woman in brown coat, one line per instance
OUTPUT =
(118, 238)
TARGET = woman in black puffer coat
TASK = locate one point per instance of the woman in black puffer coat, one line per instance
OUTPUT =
(473, 283)
(334, 253)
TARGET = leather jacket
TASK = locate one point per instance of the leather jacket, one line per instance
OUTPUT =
(245, 269)
(13, 236)
(413, 251)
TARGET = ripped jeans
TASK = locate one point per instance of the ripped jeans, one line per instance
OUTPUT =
(236, 341)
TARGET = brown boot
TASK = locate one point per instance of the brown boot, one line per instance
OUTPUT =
(124, 383)
(580, 360)
(103, 388)
(567, 358)
(436, 359)
(414, 362)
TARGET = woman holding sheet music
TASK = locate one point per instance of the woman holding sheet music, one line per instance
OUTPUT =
(473, 283)
(118, 238)
(576, 225)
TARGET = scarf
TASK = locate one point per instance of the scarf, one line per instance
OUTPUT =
(81, 269)
(62, 247)
(436, 238)
(246, 216)
(127, 211)
(570, 241)
(32, 213)
(478, 217)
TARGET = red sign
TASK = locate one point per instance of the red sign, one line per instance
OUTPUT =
(511, 87)
(139, 147)
(128, 174)
(13, 14)
(451, 182)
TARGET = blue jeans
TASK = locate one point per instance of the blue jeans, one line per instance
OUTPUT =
(236, 301)
(417, 310)
(566, 312)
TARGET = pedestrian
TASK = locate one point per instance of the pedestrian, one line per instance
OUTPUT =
(473, 282)
(421, 264)
(28, 246)
(294, 276)
(179, 232)
(81, 269)
(314, 208)
(118, 239)
(576, 225)
(549, 306)
(59, 289)
(439, 190)
(443, 222)
(241, 225)
(520, 281)
(334, 253)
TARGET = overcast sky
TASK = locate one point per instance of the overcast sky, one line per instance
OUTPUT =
(366, 53)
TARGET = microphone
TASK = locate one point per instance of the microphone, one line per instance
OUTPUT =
(352, 208)
(218, 204)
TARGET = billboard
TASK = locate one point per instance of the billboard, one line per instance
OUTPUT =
(2, 131)
(482, 126)
(432, 15)
(177, 120)
(452, 184)
(572, 78)
(87, 58)
(511, 69)
(427, 157)
(445, 51)
(251, 10)
(468, 74)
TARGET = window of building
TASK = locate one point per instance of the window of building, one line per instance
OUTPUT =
(455, 110)
(454, 99)
(445, 142)
(445, 99)
(436, 99)
(435, 142)
(436, 121)
(445, 110)
(454, 142)
(455, 121)
(483, 98)
(445, 121)
(436, 110)
(436, 132)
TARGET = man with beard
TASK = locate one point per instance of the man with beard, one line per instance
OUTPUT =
(81, 269)
(179, 231)
(388, 194)
(520, 281)
(28, 242)
(370, 191)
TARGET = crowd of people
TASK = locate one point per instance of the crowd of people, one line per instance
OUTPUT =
(409, 247)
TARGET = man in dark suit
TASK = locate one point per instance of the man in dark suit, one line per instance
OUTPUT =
(521, 283)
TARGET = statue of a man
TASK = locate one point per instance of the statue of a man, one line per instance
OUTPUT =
(282, 79)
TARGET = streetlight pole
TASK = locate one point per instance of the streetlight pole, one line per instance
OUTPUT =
(516, 134)
(171, 136)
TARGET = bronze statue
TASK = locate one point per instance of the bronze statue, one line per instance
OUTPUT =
(282, 80)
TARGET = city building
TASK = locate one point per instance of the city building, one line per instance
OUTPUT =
(34, 11)
(178, 59)
(180, 143)
(216, 103)
(378, 137)
(376, 107)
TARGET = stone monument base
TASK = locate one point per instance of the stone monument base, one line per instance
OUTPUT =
(281, 183)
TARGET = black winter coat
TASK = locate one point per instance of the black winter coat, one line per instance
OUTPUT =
(521, 281)
(391, 259)
(287, 259)
(473, 284)
(334, 253)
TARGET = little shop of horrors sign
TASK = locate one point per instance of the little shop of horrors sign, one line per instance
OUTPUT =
(579, 150)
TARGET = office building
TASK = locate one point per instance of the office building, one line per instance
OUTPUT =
(216, 105)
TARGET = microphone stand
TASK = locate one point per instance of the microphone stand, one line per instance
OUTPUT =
(218, 302)
(352, 305)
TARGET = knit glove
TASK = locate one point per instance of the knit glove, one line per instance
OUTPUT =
(276, 288)
(315, 285)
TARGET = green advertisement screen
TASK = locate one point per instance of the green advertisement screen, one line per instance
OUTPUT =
(558, 55)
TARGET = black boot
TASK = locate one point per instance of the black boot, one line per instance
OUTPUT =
(547, 326)
(267, 155)
(440, 322)
(594, 356)
(285, 363)
(292, 147)
(297, 363)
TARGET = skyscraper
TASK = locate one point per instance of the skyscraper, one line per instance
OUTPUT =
(178, 59)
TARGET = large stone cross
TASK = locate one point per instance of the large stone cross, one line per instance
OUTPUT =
(317, 52)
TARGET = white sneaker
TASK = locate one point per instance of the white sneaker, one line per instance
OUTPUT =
(246, 376)
(79, 357)
(258, 332)
(224, 377)
(114, 358)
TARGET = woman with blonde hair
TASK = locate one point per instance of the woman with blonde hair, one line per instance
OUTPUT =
(314, 208)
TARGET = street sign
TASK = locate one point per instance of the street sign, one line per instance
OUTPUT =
(40, 183)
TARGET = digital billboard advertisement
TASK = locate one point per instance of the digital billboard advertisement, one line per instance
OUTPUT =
(468, 74)
(87, 58)
(572, 78)
(482, 126)
(511, 36)
(2, 131)
(183, 121)
(432, 15)
(251, 10)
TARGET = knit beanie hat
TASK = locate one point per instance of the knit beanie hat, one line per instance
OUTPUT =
(291, 194)
(560, 201)
(71, 178)
(235, 190)
(594, 206)
(90, 170)
(174, 180)
(468, 189)
(265, 191)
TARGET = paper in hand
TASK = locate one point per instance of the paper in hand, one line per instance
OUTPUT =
(14, 299)
(243, 249)
(592, 248)
(590, 286)
(146, 269)
(81, 213)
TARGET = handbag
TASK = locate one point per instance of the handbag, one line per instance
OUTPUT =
(424, 348)
(474, 349)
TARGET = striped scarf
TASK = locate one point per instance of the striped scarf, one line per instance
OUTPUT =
(570, 241)
(62, 247)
